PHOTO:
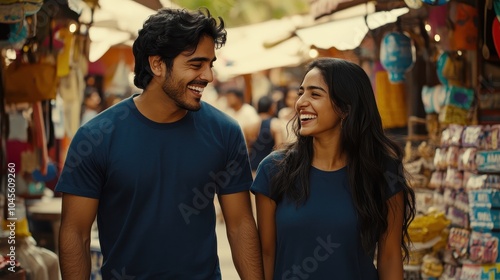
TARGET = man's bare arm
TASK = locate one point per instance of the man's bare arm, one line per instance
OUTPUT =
(78, 214)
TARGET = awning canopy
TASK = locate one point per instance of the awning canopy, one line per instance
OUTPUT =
(348, 33)
(286, 42)
(115, 22)
(252, 48)
(248, 49)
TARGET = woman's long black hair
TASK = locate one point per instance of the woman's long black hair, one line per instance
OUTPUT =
(170, 32)
(367, 149)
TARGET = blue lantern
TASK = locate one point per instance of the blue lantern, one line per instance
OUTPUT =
(397, 55)
(435, 2)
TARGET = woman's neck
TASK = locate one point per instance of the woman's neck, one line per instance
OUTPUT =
(328, 154)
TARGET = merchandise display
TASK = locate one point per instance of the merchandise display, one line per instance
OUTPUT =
(434, 68)
(23, 253)
(463, 192)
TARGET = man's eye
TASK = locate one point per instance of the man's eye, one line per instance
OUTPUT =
(196, 65)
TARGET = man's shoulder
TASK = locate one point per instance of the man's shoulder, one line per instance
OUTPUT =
(117, 111)
(108, 121)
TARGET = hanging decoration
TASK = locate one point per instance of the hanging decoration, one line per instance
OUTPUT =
(465, 22)
(397, 55)
(439, 26)
(450, 68)
(435, 2)
(391, 100)
(13, 35)
(441, 62)
(496, 35)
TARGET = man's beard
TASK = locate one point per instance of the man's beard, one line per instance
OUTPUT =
(177, 93)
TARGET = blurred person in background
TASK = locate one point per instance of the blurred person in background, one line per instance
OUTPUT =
(339, 193)
(286, 113)
(150, 166)
(113, 99)
(91, 104)
(264, 136)
(244, 113)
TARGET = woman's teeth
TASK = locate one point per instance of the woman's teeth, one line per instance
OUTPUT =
(307, 117)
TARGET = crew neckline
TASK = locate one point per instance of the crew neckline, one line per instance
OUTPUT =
(329, 171)
(152, 123)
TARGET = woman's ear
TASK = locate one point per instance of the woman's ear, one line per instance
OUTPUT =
(342, 114)
(345, 113)
(156, 64)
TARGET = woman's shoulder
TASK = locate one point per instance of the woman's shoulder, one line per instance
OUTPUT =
(274, 156)
(393, 165)
(271, 161)
(394, 175)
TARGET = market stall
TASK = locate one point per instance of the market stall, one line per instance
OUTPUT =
(434, 66)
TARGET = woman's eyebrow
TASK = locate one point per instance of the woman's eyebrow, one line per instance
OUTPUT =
(312, 88)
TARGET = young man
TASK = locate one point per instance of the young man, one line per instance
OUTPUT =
(149, 167)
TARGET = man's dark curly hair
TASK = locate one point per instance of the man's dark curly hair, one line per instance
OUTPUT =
(170, 32)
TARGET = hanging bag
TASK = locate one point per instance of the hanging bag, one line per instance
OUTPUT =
(30, 82)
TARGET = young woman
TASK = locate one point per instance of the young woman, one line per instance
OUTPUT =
(327, 202)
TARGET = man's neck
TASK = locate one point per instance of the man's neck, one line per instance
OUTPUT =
(158, 107)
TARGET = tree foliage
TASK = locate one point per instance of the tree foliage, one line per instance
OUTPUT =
(243, 12)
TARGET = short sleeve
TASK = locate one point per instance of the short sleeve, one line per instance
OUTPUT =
(238, 164)
(82, 173)
(395, 177)
(265, 171)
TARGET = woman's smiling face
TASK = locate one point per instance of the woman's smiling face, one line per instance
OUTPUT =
(316, 110)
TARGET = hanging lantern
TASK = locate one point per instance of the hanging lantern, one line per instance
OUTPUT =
(435, 2)
(397, 55)
(496, 35)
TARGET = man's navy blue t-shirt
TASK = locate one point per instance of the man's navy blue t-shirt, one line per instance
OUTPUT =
(319, 239)
(155, 183)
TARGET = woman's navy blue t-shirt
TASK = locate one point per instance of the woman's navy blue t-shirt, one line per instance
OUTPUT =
(319, 239)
